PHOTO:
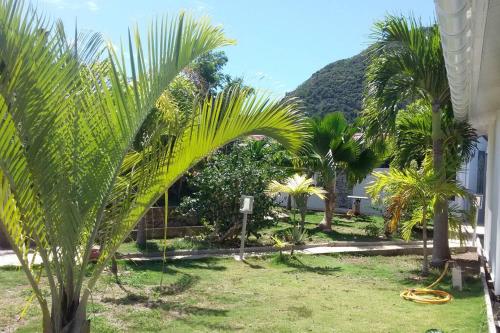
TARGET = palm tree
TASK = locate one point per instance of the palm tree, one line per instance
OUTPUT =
(413, 138)
(69, 114)
(414, 191)
(407, 64)
(300, 188)
(335, 146)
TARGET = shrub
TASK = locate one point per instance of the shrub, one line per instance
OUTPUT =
(372, 229)
(245, 168)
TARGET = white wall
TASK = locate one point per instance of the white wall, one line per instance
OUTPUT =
(367, 206)
(315, 203)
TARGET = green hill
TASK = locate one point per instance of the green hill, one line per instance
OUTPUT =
(336, 87)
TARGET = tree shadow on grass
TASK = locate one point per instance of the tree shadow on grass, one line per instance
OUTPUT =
(251, 265)
(179, 308)
(185, 282)
(149, 247)
(157, 266)
(337, 236)
(300, 267)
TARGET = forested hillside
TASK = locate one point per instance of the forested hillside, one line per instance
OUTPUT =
(336, 87)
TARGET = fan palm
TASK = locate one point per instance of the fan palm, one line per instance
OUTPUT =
(336, 147)
(407, 64)
(69, 114)
(300, 188)
(414, 191)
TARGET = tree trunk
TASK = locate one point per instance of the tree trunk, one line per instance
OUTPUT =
(425, 263)
(440, 249)
(330, 196)
(289, 203)
(72, 320)
(114, 269)
(141, 238)
(302, 218)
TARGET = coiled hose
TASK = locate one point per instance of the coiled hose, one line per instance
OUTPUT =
(428, 295)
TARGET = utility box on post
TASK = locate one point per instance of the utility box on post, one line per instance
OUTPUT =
(246, 207)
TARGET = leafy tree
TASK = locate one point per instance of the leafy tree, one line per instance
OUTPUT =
(245, 168)
(207, 72)
(407, 64)
(414, 191)
(336, 146)
(67, 174)
(300, 188)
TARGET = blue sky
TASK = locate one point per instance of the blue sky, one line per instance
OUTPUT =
(280, 43)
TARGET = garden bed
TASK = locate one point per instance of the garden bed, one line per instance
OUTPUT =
(343, 229)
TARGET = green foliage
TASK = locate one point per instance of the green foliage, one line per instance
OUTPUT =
(207, 70)
(296, 236)
(246, 168)
(413, 137)
(69, 114)
(300, 188)
(335, 146)
(406, 63)
(373, 229)
(412, 192)
(336, 87)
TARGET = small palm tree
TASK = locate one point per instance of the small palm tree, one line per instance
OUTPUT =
(414, 191)
(69, 116)
(335, 147)
(300, 188)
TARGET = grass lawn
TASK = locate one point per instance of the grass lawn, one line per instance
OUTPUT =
(267, 294)
(343, 229)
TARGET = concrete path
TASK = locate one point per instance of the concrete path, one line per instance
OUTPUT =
(8, 257)
(375, 248)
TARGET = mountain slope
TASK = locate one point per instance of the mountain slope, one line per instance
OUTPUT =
(336, 87)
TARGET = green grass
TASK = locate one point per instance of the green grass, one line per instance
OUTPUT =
(268, 294)
(343, 229)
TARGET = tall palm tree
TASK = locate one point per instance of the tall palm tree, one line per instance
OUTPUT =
(336, 146)
(69, 114)
(414, 191)
(408, 64)
(300, 188)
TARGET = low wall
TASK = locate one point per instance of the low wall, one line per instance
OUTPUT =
(172, 232)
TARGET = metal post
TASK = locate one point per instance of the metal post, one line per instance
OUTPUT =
(243, 235)
(246, 208)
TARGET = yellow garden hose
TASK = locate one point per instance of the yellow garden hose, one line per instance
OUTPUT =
(428, 295)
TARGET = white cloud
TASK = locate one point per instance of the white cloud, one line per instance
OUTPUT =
(92, 6)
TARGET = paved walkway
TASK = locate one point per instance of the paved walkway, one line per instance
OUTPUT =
(8, 257)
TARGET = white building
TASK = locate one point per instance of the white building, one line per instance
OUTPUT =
(470, 31)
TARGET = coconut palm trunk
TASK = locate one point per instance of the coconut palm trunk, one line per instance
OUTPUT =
(440, 249)
(330, 201)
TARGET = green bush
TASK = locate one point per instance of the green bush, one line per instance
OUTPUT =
(372, 229)
(245, 168)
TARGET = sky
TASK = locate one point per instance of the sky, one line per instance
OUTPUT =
(280, 43)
